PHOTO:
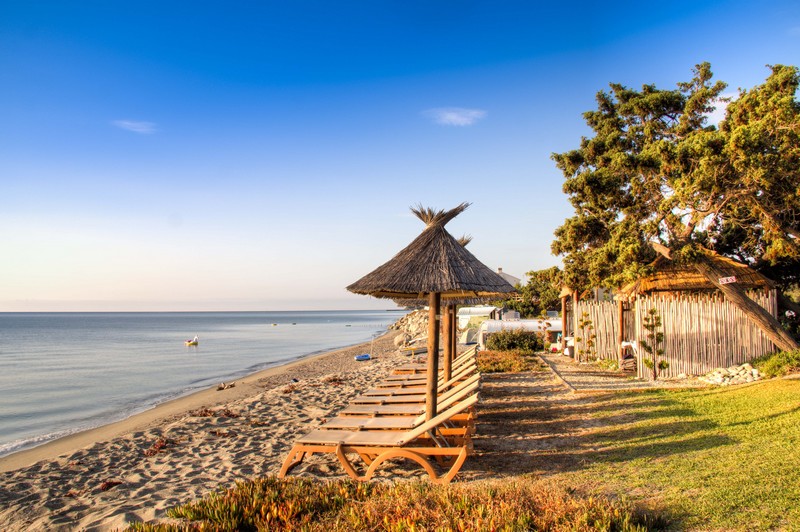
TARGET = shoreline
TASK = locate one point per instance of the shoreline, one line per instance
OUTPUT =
(135, 469)
(205, 397)
(209, 397)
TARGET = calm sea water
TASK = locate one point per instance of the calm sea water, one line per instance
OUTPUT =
(65, 372)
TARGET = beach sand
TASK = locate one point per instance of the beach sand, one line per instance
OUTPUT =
(135, 469)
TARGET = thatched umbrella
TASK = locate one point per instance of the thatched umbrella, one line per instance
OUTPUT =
(434, 266)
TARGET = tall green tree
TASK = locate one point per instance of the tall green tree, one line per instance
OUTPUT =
(656, 176)
(539, 294)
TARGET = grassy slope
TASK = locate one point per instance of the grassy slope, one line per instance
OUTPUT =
(723, 458)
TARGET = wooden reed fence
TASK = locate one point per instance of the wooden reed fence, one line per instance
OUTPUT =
(703, 332)
(603, 315)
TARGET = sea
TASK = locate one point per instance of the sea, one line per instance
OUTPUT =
(62, 373)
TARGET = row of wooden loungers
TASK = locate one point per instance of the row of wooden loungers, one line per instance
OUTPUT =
(388, 422)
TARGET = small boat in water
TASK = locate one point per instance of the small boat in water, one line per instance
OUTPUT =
(193, 341)
(362, 358)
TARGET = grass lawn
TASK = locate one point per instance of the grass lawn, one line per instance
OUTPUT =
(721, 458)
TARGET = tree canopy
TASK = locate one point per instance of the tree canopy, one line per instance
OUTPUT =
(656, 171)
(539, 294)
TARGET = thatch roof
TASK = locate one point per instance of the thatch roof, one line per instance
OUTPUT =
(435, 262)
(671, 277)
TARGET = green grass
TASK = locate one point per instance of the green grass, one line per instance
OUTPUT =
(723, 458)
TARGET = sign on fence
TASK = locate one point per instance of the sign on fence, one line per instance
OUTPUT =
(727, 280)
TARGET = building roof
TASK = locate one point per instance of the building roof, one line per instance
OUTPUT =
(671, 277)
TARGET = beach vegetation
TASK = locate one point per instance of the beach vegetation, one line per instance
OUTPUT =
(526, 503)
(586, 340)
(653, 345)
(778, 364)
(514, 340)
(509, 361)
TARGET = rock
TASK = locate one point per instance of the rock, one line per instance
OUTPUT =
(402, 339)
(732, 375)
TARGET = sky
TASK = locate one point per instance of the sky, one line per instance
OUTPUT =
(264, 155)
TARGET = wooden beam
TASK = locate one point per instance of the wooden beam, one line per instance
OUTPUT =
(434, 303)
(563, 324)
(447, 356)
(621, 331)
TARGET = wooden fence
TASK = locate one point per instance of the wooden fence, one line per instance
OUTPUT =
(605, 323)
(704, 332)
(701, 331)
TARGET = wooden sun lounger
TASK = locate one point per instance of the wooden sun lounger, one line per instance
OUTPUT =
(377, 446)
(412, 409)
(414, 398)
(466, 419)
(400, 388)
(412, 370)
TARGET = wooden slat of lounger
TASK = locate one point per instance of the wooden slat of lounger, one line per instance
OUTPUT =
(407, 371)
(390, 422)
(413, 398)
(419, 385)
(384, 437)
(453, 396)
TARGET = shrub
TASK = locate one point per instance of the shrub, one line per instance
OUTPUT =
(779, 364)
(503, 362)
(309, 504)
(514, 340)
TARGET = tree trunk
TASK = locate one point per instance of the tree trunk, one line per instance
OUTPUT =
(763, 319)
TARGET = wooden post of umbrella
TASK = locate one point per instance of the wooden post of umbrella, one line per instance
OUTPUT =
(447, 356)
(434, 303)
(453, 334)
(621, 330)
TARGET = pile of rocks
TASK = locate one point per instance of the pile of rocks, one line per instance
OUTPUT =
(732, 375)
(414, 326)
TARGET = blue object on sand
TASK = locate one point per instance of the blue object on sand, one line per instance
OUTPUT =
(363, 357)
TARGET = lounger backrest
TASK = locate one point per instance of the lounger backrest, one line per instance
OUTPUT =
(438, 420)
(459, 394)
(460, 386)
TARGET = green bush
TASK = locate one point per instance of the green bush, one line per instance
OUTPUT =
(514, 340)
(778, 364)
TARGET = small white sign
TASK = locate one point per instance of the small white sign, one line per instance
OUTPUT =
(727, 280)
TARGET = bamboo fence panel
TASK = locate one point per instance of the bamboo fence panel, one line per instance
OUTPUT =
(604, 318)
(703, 332)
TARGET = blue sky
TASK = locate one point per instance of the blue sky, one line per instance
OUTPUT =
(264, 155)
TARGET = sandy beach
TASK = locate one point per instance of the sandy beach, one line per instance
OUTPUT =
(135, 469)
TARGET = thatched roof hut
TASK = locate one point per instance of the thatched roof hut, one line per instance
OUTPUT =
(435, 262)
(671, 277)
